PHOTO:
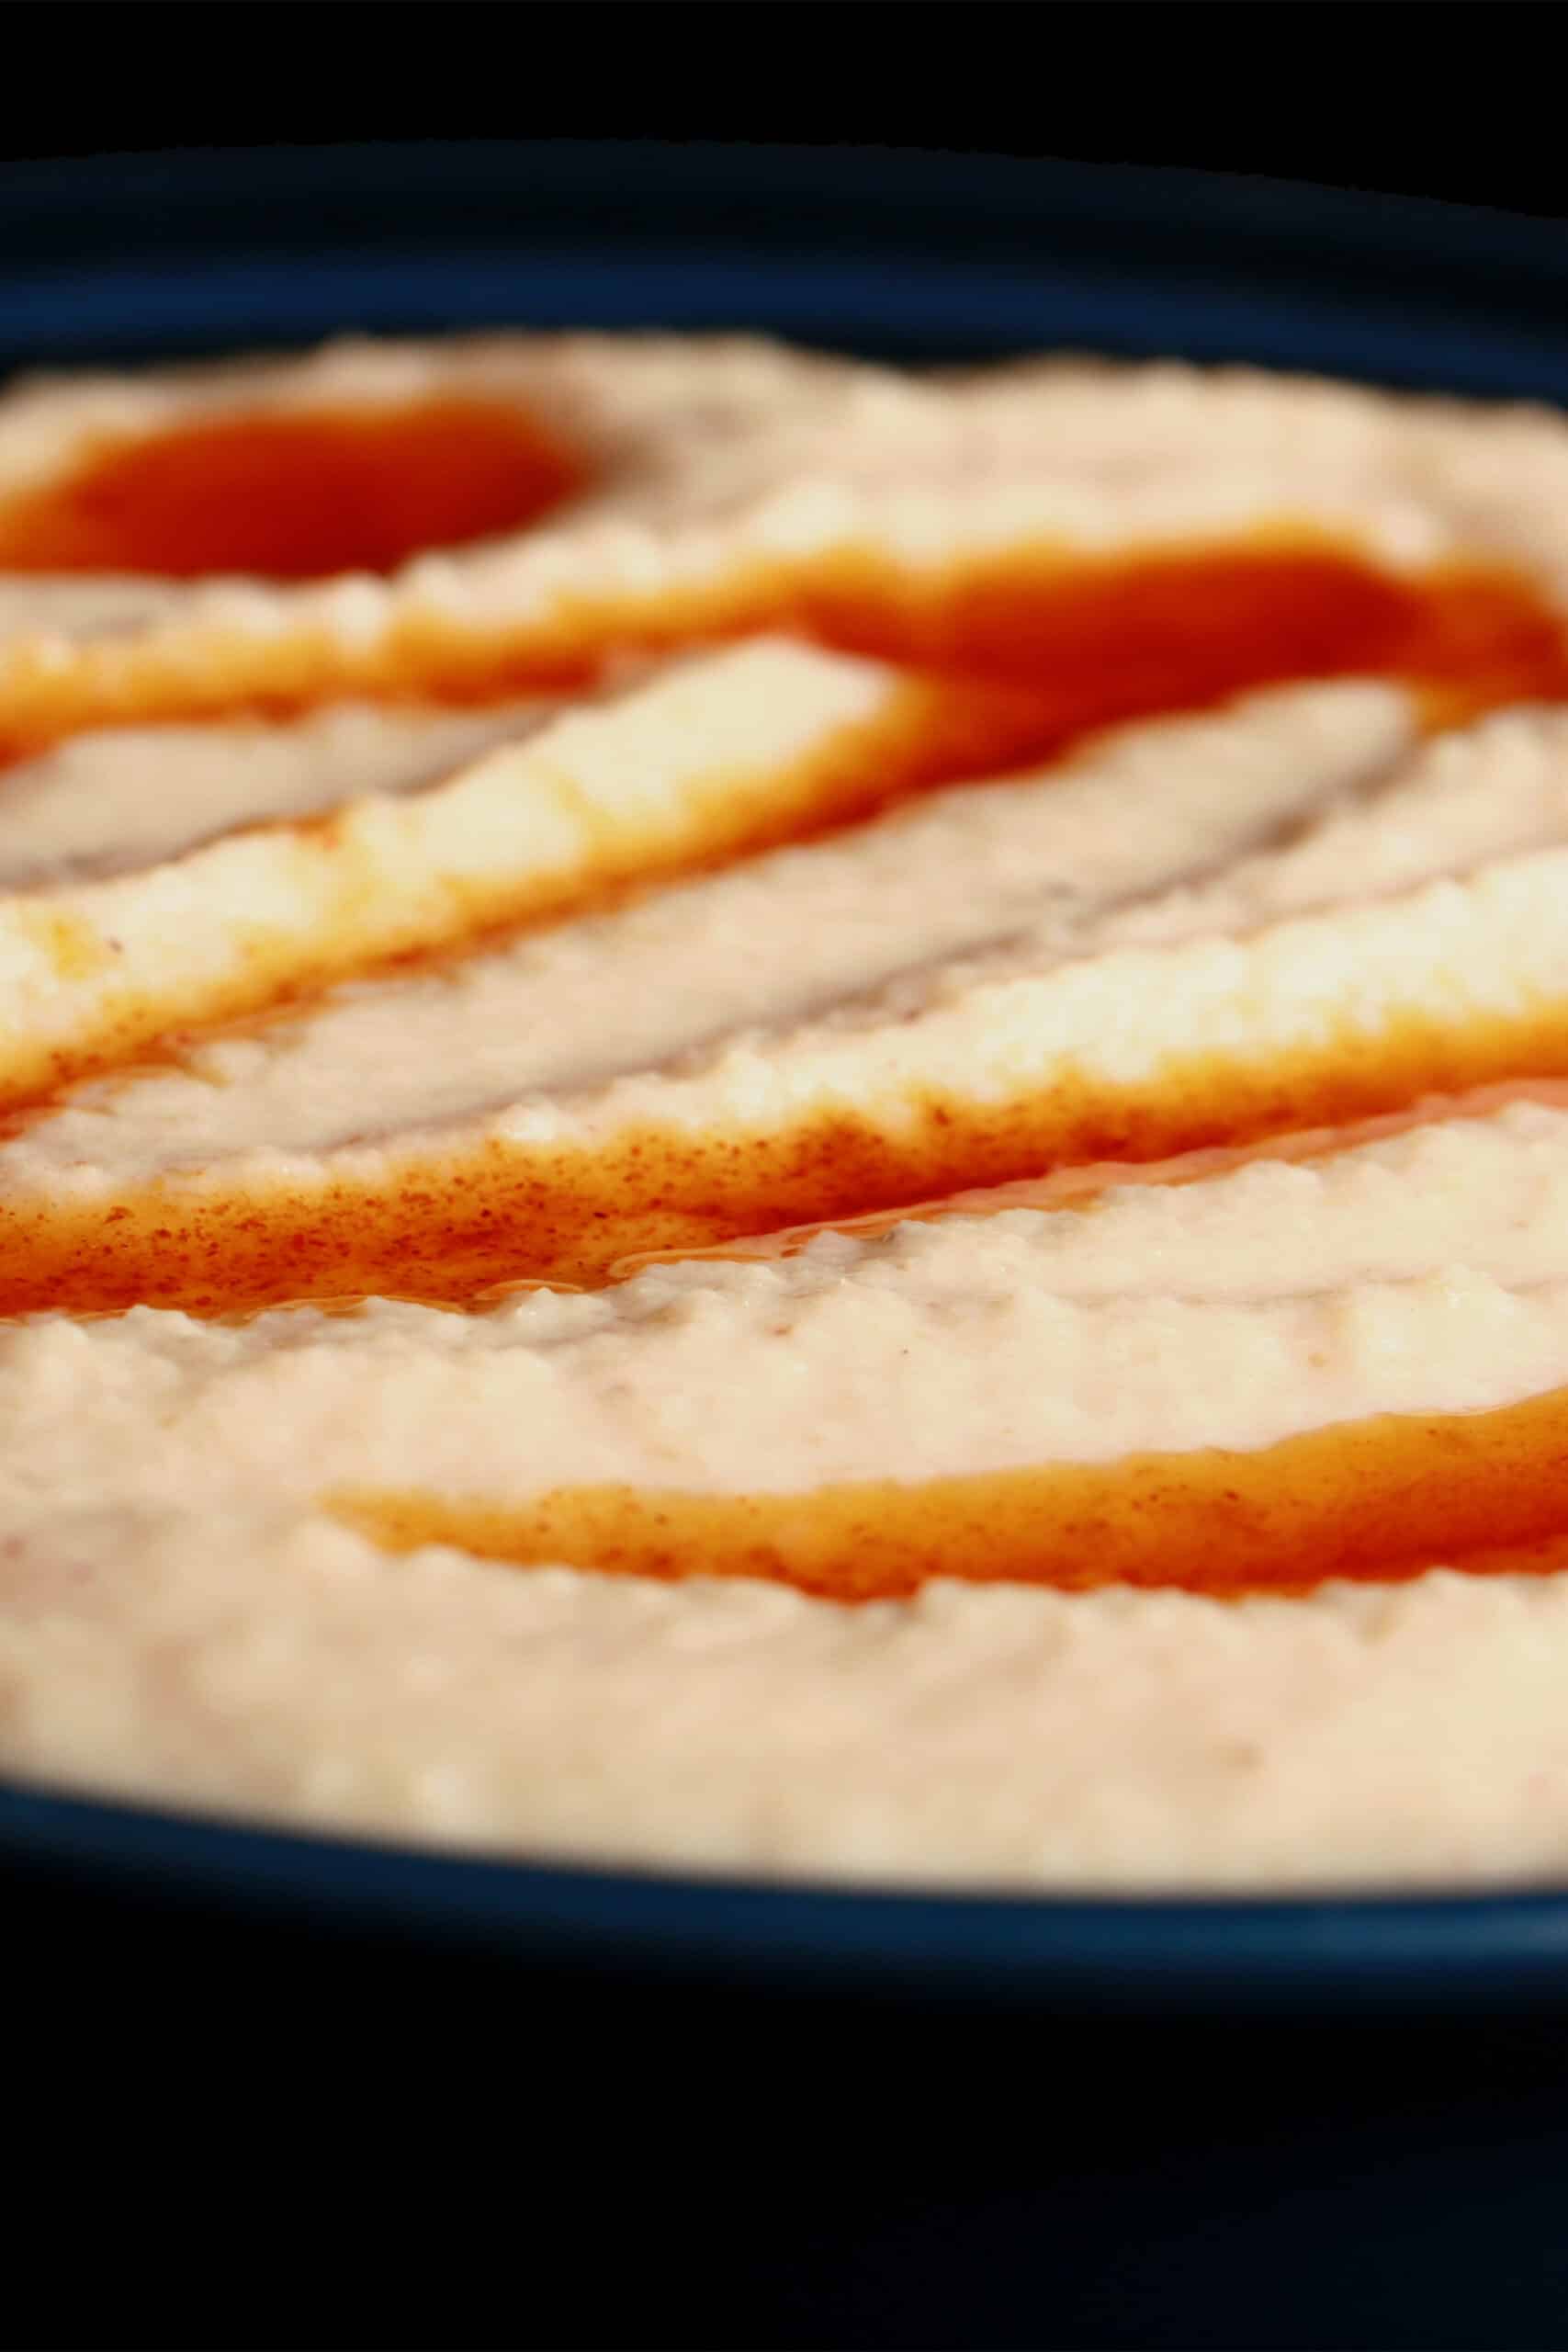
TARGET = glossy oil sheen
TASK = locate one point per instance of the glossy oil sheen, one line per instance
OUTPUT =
(291, 496)
(1381, 1499)
(1016, 660)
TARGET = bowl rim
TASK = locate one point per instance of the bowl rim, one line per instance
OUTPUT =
(1366, 1951)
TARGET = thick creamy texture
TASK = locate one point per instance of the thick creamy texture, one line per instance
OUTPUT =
(726, 485)
(103, 803)
(932, 1245)
(698, 760)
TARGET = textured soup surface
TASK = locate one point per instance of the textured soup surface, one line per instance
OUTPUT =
(768, 1115)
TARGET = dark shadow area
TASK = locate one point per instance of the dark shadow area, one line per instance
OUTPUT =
(419, 2140)
(1457, 104)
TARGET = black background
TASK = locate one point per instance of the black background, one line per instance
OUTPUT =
(1460, 102)
(240, 2137)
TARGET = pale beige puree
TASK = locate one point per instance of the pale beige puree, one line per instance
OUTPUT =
(789, 1118)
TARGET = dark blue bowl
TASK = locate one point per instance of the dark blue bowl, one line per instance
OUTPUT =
(894, 254)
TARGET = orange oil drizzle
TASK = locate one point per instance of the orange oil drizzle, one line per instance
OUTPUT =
(1067, 1188)
(1094, 641)
(1019, 659)
(292, 495)
(448, 1228)
(1082, 645)
(931, 732)
(1381, 1499)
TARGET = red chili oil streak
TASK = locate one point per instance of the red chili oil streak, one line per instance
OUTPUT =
(1379, 1500)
